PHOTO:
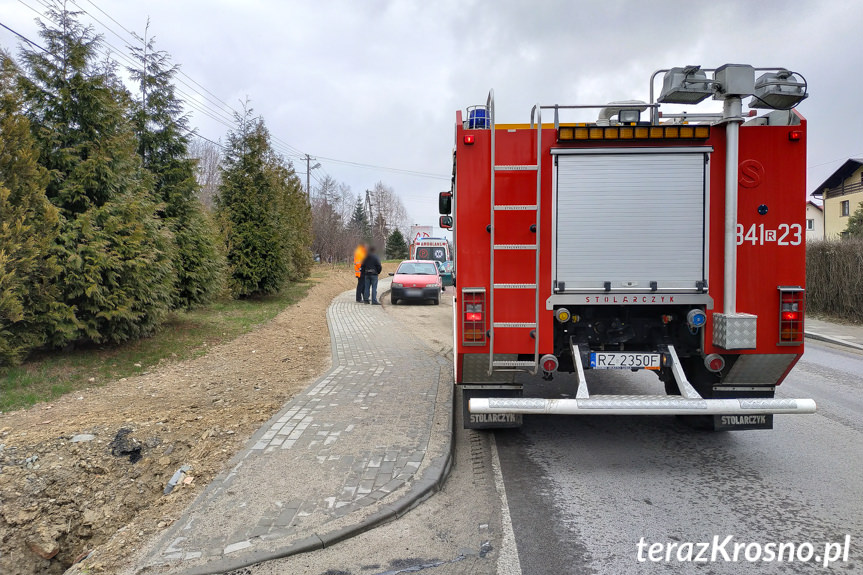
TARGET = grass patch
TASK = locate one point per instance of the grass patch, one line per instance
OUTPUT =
(50, 374)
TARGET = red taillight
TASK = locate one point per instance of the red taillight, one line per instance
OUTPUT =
(468, 139)
(714, 362)
(473, 322)
(795, 135)
(791, 305)
(549, 363)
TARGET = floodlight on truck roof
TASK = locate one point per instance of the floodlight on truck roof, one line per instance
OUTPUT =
(778, 91)
(686, 85)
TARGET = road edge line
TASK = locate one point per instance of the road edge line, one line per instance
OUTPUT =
(508, 562)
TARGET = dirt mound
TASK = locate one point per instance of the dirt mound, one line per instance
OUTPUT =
(84, 476)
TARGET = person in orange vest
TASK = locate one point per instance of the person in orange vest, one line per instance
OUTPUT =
(359, 256)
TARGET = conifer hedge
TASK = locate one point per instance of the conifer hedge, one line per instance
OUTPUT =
(102, 233)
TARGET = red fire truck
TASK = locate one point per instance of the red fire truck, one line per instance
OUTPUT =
(645, 240)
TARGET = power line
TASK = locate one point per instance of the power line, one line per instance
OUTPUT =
(26, 39)
(197, 135)
(213, 109)
(107, 54)
(387, 168)
(836, 160)
(287, 149)
(213, 99)
(215, 113)
(133, 36)
(189, 101)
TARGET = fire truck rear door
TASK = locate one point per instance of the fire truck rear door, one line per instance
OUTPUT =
(626, 218)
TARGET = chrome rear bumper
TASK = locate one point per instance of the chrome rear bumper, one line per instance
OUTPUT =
(640, 405)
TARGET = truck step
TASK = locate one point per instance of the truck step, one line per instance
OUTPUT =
(514, 324)
(515, 246)
(512, 363)
(516, 168)
(514, 286)
(515, 207)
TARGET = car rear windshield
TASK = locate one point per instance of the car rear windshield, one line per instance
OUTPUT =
(417, 269)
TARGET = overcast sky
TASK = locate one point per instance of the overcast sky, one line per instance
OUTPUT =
(379, 82)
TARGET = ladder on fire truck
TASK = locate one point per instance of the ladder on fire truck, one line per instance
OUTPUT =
(503, 170)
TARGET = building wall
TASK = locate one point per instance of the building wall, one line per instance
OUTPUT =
(817, 217)
(834, 221)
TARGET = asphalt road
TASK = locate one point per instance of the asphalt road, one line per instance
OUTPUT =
(582, 492)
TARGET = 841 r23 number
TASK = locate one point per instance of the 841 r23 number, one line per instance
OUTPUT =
(785, 235)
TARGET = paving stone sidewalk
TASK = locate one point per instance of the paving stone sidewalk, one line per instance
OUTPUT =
(354, 448)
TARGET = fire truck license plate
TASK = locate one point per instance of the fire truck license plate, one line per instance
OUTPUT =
(617, 360)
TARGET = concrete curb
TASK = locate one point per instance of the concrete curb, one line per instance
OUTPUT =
(833, 340)
(431, 481)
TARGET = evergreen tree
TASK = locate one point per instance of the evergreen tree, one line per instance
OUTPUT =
(854, 229)
(162, 131)
(360, 222)
(29, 224)
(293, 218)
(116, 257)
(247, 207)
(397, 247)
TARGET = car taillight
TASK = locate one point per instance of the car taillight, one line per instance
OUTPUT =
(473, 320)
(791, 308)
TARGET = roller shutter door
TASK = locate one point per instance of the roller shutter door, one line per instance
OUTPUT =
(630, 219)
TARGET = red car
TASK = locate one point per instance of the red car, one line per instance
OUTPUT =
(416, 280)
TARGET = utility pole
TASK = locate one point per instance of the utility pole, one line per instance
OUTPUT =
(369, 209)
(309, 169)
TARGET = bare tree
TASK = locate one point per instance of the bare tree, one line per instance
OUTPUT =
(390, 206)
(346, 203)
(332, 207)
(209, 156)
(388, 212)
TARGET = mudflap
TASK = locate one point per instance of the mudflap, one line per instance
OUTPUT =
(736, 422)
(490, 420)
(742, 422)
(747, 421)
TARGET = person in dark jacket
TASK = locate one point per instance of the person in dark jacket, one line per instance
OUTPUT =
(371, 268)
